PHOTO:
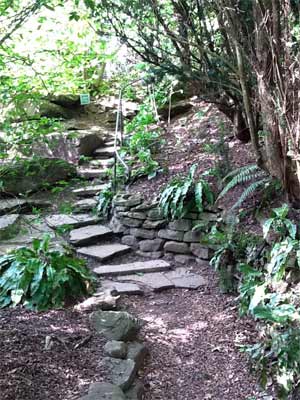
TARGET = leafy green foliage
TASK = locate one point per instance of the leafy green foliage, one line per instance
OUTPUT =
(183, 194)
(105, 201)
(232, 246)
(41, 278)
(252, 174)
(265, 293)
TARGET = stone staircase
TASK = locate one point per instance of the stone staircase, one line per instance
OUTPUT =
(96, 242)
(101, 246)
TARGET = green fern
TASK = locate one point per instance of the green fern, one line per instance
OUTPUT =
(256, 177)
(104, 201)
(183, 194)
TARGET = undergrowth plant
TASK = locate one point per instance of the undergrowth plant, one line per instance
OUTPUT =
(105, 198)
(143, 141)
(255, 177)
(268, 291)
(183, 194)
(232, 246)
(41, 278)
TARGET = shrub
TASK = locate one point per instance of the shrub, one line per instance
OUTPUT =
(41, 278)
(185, 193)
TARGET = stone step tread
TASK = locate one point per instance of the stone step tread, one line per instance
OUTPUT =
(76, 220)
(103, 252)
(184, 279)
(92, 172)
(105, 152)
(103, 163)
(85, 204)
(121, 287)
(91, 190)
(89, 234)
(132, 268)
(107, 149)
(154, 280)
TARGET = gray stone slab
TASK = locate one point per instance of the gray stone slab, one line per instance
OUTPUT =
(183, 225)
(85, 205)
(103, 252)
(122, 372)
(21, 205)
(9, 226)
(177, 247)
(149, 224)
(104, 391)
(76, 221)
(170, 235)
(151, 245)
(116, 349)
(200, 251)
(192, 236)
(91, 190)
(8, 205)
(90, 173)
(89, 234)
(122, 287)
(137, 351)
(143, 233)
(182, 278)
(104, 152)
(189, 282)
(131, 222)
(156, 281)
(130, 241)
(115, 325)
(132, 268)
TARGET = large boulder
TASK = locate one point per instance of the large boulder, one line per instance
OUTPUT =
(25, 176)
(70, 145)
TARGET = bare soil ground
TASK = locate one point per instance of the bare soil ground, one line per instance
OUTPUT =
(194, 338)
(29, 371)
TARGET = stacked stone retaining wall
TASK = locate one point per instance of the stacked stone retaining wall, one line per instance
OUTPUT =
(144, 228)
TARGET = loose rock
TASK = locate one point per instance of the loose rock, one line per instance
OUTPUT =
(116, 325)
(116, 349)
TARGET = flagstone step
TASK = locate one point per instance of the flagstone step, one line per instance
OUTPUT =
(105, 163)
(157, 281)
(133, 268)
(85, 205)
(87, 191)
(75, 221)
(89, 234)
(91, 173)
(103, 252)
(104, 152)
(121, 287)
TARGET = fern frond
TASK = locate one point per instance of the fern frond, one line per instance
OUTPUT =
(250, 190)
(184, 192)
(242, 175)
(199, 196)
(247, 169)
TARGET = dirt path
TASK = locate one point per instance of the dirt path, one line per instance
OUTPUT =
(193, 337)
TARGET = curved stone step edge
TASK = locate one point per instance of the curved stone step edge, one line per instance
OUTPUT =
(103, 252)
(133, 268)
(89, 235)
